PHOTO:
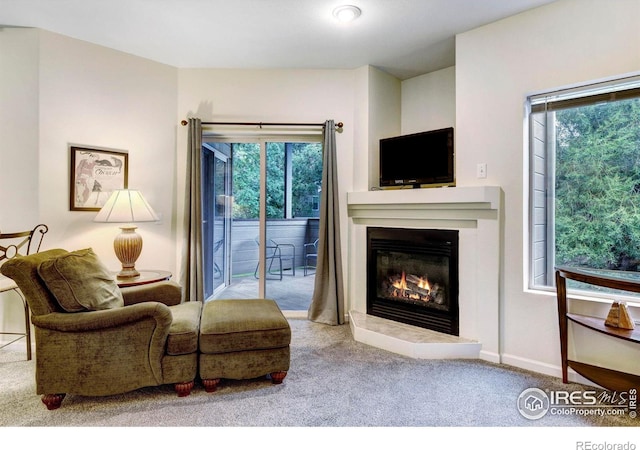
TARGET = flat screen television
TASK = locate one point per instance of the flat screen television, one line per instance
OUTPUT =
(418, 159)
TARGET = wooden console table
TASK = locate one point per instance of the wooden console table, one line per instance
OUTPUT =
(610, 379)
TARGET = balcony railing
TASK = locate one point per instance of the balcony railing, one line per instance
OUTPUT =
(244, 249)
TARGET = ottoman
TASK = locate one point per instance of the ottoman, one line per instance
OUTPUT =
(243, 339)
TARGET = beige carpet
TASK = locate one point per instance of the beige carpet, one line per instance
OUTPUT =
(333, 382)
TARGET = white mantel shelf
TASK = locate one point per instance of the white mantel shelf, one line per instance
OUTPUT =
(482, 197)
(475, 212)
(452, 206)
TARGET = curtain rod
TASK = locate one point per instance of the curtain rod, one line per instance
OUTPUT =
(339, 125)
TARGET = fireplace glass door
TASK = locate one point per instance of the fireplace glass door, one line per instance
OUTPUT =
(412, 277)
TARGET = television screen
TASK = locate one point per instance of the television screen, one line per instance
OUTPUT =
(417, 159)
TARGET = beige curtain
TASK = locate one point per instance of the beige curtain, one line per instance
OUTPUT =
(327, 303)
(192, 278)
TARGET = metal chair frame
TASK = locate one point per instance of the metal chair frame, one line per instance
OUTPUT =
(217, 271)
(20, 244)
(273, 253)
(309, 253)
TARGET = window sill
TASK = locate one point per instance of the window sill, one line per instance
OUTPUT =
(601, 298)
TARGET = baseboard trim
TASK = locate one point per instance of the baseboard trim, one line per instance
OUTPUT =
(532, 365)
(490, 356)
(545, 369)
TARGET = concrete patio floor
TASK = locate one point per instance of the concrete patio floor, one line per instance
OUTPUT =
(292, 293)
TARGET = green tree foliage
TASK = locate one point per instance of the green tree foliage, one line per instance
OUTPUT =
(597, 185)
(306, 178)
(246, 181)
(275, 180)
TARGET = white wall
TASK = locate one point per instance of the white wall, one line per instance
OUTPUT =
(94, 96)
(429, 101)
(18, 149)
(377, 115)
(362, 157)
(19, 50)
(384, 116)
(497, 66)
(63, 91)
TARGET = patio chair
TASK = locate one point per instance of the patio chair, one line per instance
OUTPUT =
(310, 254)
(274, 254)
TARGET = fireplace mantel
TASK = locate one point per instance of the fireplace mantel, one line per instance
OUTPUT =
(475, 212)
(449, 203)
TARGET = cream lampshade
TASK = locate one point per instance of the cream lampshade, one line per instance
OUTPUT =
(127, 206)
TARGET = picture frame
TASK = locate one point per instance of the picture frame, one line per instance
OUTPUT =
(94, 174)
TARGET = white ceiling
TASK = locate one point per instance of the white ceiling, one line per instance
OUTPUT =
(403, 37)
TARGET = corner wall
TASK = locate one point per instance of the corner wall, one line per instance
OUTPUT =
(497, 66)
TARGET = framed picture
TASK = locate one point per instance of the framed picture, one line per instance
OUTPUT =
(95, 173)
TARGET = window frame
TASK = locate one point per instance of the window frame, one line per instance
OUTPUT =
(615, 89)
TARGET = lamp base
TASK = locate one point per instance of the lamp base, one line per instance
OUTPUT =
(126, 274)
(128, 246)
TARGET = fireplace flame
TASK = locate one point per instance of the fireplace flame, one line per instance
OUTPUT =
(424, 284)
(401, 283)
(411, 287)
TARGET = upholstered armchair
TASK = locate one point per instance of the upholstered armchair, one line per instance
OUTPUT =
(95, 339)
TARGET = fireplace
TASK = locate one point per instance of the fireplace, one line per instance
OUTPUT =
(412, 277)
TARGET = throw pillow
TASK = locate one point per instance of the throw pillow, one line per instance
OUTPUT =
(80, 282)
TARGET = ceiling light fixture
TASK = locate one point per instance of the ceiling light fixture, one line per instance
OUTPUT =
(346, 13)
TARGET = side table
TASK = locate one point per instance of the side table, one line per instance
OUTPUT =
(145, 277)
(608, 378)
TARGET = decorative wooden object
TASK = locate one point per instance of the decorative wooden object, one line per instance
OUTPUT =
(613, 316)
(619, 317)
(625, 321)
(610, 379)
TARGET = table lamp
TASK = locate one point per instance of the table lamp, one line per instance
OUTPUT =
(127, 206)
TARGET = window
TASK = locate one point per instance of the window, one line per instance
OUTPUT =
(584, 197)
(294, 176)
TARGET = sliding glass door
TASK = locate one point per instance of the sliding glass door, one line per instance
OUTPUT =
(272, 219)
(293, 177)
(216, 216)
